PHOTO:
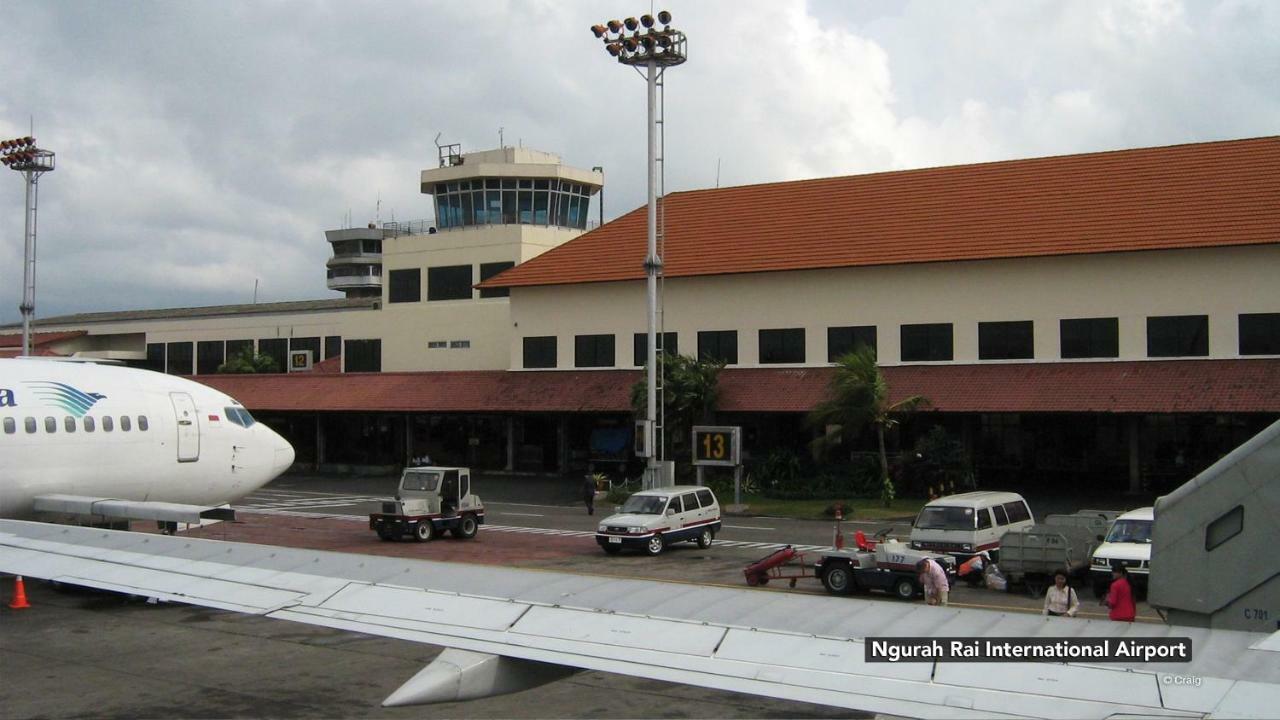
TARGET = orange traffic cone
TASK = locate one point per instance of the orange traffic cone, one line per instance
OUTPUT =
(19, 595)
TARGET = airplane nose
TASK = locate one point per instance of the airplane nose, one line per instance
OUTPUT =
(283, 457)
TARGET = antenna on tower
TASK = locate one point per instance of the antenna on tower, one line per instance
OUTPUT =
(501, 144)
(717, 173)
(377, 215)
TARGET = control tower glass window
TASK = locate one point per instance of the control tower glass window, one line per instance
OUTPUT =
(512, 201)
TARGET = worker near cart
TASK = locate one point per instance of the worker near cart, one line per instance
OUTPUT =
(1060, 599)
(934, 581)
(1120, 597)
(589, 494)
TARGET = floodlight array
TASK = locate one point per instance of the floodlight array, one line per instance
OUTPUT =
(22, 154)
(639, 42)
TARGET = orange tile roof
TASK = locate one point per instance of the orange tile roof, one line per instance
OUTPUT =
(1182, 196)
(1237, 386)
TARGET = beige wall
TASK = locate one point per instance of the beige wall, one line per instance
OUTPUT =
(1220, 283)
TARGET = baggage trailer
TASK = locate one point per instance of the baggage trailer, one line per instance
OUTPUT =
(1031, 556)
(429, 502)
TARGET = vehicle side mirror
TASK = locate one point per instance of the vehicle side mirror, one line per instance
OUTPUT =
(671, 511)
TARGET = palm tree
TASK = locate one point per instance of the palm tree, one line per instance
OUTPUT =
(859, 396)
(690, 392)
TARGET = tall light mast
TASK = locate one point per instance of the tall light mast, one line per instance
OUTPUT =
(22, 155)
(640, 43)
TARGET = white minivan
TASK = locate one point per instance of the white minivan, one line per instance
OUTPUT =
(1128, 542)
(650, 520)
(969, 523)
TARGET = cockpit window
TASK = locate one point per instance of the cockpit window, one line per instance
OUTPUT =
(239, 416)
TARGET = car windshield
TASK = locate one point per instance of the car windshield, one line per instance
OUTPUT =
(645, 504)
(946, 518)
(426, 481)
(1130, 531)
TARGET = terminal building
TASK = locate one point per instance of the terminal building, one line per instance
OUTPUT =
(1108, 321)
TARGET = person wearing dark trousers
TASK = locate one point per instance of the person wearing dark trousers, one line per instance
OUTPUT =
(589, 494)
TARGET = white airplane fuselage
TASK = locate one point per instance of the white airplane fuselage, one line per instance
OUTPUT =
(111, 431)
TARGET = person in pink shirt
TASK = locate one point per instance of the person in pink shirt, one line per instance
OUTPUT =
(934, 581)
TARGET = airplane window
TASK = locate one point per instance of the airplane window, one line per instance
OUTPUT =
(29, 424)
(142, 423)
(124, 423)
(107, 424)
(88, 424)
(69, 423)
(50, 425)
(239, 416)
(10, 427)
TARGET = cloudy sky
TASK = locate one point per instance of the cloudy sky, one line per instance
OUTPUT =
(203, 146)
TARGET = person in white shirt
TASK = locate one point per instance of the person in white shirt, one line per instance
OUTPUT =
(934, 581)
(1060, 599)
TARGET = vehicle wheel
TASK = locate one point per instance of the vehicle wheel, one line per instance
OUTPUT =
(904, 588)
(466, 527)
(753, 579)
(1100, 588)
(838, 579)
(424, 531)
(705, 538)
(1035, 586)
(611, 549)
(655, 545)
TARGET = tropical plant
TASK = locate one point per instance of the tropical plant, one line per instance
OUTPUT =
(247, 361)
(690, 392)
(858, 396)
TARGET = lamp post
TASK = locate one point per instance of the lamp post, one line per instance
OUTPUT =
(22, 155)
(640, 43)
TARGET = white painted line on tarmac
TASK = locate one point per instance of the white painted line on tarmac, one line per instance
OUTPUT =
(748, 527)
(520, 514)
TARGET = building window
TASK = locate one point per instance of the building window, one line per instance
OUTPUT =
(925, 343)
(1090, 338)
(362, 355)
(782, 346)
(459, 344)
(332, 346)
(667, 342)
(718, 346)
(452, 282)
(540, 352)
(593, 350)
(406, 286)
(488, 270)
(437, 344)
(528, 201)
(1178, 336)
(843, 340)
(236, 348)
(155, 357)
(1012, 340)
(278, 350)
(209, 356)
(179, 357)
(1260, 334)
(310, 344)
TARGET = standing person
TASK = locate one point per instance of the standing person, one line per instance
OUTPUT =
(934, 580)
(1120, 597)
(1060, 599)
(589, 494)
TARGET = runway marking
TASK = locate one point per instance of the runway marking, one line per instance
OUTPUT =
(520, 514)
(748, 527)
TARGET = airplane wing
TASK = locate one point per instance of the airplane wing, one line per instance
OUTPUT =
(799, 647)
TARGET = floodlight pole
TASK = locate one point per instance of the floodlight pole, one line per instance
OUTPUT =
(649, 47)
(23, 156)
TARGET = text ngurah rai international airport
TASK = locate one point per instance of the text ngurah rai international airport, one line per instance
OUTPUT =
(1007, 649)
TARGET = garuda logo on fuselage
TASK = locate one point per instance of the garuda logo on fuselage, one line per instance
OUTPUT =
(77, 402)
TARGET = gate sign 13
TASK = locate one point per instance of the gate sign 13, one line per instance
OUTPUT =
(717, 445)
